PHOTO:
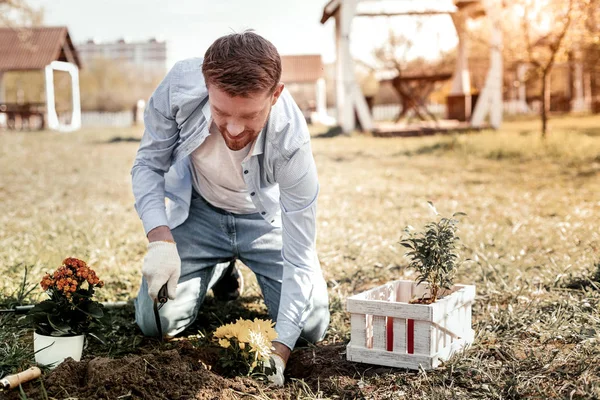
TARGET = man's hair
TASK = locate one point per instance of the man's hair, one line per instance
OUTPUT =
(241, 64)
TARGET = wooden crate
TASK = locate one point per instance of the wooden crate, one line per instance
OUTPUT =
(387, 330)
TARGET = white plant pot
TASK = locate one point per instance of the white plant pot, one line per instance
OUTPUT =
(52, 350)
(388, 330)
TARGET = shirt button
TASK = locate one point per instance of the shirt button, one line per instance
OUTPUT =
(272, 220)
(252, 194)
(246, 171)
(263, 213)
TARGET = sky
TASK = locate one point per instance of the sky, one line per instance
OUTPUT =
(190, 26)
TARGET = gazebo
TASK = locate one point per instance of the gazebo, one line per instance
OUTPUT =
(40, 48)
(349, 99)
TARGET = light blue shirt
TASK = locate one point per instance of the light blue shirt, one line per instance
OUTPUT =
(280, 171)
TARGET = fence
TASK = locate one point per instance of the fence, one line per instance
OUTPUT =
(107, 119)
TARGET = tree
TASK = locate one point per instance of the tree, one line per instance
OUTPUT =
(547, 31)
(17, 13)
(543, 51)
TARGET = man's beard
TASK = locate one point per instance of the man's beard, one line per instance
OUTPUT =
(245, 138)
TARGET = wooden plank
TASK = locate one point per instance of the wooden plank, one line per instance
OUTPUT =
(402, 13)
(468, 316)
(461, 321)
(423, 312)
(424, 338)
(389, 328)
(452, 327)
(410, 336)
(390, 320)
(379, 333)
(390, 359)
(369, 331)
(358, 332)
(439, 339)
(461, 295)
(399, 344)
(420, 291)
(404, 291)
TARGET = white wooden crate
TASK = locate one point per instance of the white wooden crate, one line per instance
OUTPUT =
(387, 330)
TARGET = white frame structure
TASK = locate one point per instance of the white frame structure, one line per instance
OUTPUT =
(52, 116)
(348, 93)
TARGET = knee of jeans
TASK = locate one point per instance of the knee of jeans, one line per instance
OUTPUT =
(316, 325)
(144, 318)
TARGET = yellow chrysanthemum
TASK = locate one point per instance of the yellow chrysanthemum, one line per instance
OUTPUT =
(265, 327)
(224, 343)
(260, 345)
(226, 331)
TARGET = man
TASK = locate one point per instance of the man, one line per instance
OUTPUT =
(229, 148)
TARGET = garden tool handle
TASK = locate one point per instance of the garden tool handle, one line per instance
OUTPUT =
(12, 381)
(163, 294)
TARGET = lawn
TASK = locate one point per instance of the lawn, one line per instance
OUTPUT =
(530, 241)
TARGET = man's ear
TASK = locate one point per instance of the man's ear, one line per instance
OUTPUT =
(277, 93)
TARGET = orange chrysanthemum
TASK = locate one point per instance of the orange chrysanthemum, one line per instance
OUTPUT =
(70, 276)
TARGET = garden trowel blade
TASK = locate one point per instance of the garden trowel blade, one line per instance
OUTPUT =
(157, 318)
(160, 301)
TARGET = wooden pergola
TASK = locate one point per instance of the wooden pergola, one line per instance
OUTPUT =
(41, 48)
(351, 102)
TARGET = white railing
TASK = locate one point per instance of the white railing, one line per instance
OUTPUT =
(101, 119)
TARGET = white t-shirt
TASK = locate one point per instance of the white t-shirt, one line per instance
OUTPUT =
(217, 174)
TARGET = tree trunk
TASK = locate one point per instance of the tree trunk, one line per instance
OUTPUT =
(545, 102)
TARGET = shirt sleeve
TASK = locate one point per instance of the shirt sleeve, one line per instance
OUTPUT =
(299, 188)
(154, 155)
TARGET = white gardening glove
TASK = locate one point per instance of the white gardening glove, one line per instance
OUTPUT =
(162, 265)
(277, 377)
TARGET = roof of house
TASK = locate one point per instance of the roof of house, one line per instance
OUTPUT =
(394, 7)
(301, 68)
(23, 49)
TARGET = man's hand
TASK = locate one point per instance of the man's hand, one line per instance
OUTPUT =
(277, 377)
(162, 265)
(280, 356)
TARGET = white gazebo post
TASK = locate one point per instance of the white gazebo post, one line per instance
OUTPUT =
(460, 93)
(53, 122)
(490, 98)
(348, 94)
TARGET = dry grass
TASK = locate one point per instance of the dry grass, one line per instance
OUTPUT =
(531, 231)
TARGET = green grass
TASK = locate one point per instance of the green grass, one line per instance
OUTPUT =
(531, 230)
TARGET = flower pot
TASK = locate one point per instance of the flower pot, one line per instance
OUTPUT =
(388, 330)
(52, 350)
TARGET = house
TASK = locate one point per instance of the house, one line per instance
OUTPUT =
(42, 50)
(304, 77)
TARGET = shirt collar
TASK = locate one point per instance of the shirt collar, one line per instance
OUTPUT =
(259, 143)
(206, 111)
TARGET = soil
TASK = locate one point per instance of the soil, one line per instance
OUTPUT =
(187, 372)
(421, 300)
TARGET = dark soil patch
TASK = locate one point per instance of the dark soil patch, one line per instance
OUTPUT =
(180, 373)
(190, 372)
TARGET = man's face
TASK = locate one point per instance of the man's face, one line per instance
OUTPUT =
(240, 119)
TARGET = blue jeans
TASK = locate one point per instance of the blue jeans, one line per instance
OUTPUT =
(207, 241)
